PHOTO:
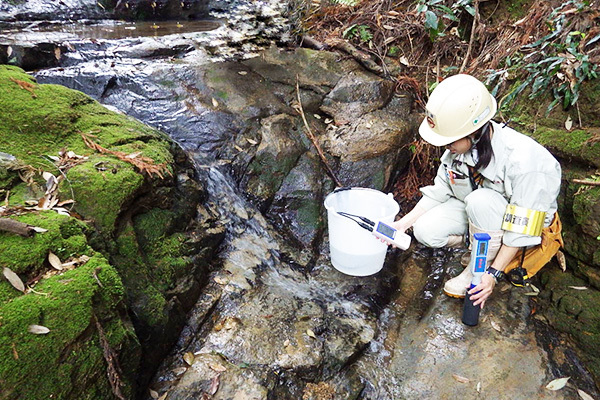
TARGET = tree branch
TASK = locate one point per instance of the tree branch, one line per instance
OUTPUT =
(20, 228)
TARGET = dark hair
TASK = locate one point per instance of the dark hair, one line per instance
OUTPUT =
(484, 146)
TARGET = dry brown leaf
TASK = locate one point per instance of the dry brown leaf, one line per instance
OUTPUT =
(252, 141)
(495, 326)
(153, 393)
(214, 385)
(13, 279)
(238, 148)
(461, 379)
(221, 280)
(584, 395)
(215, 103)
(560, 256)
(557, 384)
(568, 123)
(38, 329)
(310, 333)
(217, 367)
(189, 358)
(55, 261)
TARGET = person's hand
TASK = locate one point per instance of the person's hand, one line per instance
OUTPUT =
(481, 292)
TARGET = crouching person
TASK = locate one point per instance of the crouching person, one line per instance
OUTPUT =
(492, 180)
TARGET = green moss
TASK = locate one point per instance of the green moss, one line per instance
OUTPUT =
(44, 119)
(63, 362)
(102, 194)
(27, 255)
(146, 300)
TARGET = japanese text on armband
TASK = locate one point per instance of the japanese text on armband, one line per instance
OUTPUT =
(523, 220)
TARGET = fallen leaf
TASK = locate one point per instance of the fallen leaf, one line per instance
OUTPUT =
(214, 385)
(251, 141)
(286, 343)
(557, 384)
(133, 155)
(9, 51)
(188, 358)
(310, 333)
(221, 280)
(579, 287)
(55, 261)
(568, 123)
(584, 395)
(13, 279)
(153, 394)
(38, 229)
(461, 379)
(238, 148)
(478, 387)
(38, 329)
(57, 53)
(560, 256)
(217, 367)
(215, 103)
(389, 27)
(495, 325)
(404, 61)
(242, 72)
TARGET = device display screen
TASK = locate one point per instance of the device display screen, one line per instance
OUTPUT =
(386, 230)
(481, 248)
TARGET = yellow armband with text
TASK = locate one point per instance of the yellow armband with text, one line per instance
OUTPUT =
(523, 220)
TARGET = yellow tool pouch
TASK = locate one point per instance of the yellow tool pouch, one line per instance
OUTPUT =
(538, 256)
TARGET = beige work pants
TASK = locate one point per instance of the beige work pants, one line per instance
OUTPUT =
(483, 207)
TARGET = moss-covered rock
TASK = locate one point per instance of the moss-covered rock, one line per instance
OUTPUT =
(576, 312)
(135, 194)
(68, 362)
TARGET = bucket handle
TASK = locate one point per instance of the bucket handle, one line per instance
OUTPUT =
(342, 189)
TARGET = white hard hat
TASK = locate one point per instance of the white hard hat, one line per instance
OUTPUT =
(457, 107)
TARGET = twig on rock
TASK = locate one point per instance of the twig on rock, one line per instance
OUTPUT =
(20, 228)
(113, 370)
(313, 139)
(584, 182)
(358, 55)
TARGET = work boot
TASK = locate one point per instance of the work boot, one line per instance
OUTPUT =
(457, 286)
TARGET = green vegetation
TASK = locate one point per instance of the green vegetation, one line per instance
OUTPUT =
(361, 33)
(436, 12)
(557, 63)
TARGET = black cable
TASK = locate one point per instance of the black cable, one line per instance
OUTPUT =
(366, 222)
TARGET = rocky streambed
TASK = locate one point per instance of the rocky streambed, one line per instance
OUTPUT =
(261, 313)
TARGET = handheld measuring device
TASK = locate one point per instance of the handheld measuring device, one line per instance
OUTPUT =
(381, 231)
(391, 235)
(478, 266)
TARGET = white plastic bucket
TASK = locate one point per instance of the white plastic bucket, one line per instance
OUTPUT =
(354, 250)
